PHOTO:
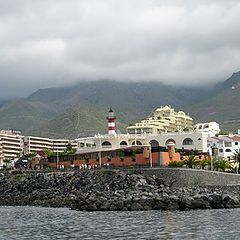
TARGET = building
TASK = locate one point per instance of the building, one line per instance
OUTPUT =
(163, 120)
(34, 144)
(226, 145)
(187, 140)
(212, 128)
(11, 145)
(134, 149)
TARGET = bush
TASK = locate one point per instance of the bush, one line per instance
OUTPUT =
(176, 164)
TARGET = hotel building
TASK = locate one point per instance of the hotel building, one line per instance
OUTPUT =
(34, 144)
(11, 145)
(163, 120)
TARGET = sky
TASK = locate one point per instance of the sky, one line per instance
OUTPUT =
(50, 43)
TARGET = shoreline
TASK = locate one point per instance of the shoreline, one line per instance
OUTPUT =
(111, 191)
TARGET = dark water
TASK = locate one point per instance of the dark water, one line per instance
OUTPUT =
(50, 223)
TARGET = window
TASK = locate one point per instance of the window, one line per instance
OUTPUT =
(154, 143)
(228, 150)
(136, 143)
(106, 144)
(187, 141)
(170, 141)
(236, 143)
(123, 143)
(220, 150)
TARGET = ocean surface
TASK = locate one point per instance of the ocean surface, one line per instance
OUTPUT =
(61, 223)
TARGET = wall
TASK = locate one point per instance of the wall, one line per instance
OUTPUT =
(192, 177)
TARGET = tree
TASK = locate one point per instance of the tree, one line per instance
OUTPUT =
(69, 149)
(222, 164)
(191, 161)
(222, 132)
(237, 160)
(6, 163)
(205, 162)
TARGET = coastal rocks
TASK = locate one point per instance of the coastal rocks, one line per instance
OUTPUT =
(110, 191)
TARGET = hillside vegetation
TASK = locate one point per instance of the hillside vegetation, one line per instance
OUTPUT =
(81, 110)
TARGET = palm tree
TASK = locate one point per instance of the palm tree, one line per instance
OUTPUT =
(237, 160)
(6, 163)
(191, 161)
(222, 164)
(205, 162)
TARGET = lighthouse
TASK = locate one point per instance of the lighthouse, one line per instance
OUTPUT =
(111, 122)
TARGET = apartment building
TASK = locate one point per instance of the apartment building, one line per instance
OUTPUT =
(162, 120)
(212, 128)
(11, 145)
(34, 144)
(227, 145)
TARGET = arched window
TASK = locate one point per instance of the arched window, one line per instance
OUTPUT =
(170, 141)
(123, 143)
(136, 143)
(106, 144)
(187, 141)
(228, 150)
(154, 143)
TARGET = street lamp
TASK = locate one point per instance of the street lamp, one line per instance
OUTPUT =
(57, 159)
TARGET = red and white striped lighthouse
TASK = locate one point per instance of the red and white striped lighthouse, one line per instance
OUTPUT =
(111, 122)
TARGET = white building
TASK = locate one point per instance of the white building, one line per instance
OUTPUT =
(227, 145)
(212, 128)
(188, 140)
(11, 145)
(34, 144)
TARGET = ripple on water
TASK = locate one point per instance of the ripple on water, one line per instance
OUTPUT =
(59, 223)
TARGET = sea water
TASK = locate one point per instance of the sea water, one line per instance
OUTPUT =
(62, 223)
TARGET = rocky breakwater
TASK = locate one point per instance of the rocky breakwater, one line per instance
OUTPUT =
(110, 191)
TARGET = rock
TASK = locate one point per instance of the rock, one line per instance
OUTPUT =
(113, 207)
(200, 204)
(105, 206)
(136, 207)
(109, 190)
(230, 201)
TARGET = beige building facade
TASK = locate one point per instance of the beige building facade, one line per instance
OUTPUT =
(11, 145)
(34, 144)
(163, 120)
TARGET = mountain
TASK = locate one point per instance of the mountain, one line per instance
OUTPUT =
(44, 110)
(79, 121)
(81, 109)
(120, 94)
(222, 105)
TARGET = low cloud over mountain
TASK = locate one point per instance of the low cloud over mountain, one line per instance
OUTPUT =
(52, 43)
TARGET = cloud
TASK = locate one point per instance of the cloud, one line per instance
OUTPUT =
(51, 43)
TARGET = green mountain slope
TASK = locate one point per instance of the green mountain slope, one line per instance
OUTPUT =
(79, 121)
(132, 101)
(81, 109)
(117, 94)
(222, 106)
(21, 114)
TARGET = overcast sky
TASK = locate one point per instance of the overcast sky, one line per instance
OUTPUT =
(45, 43)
